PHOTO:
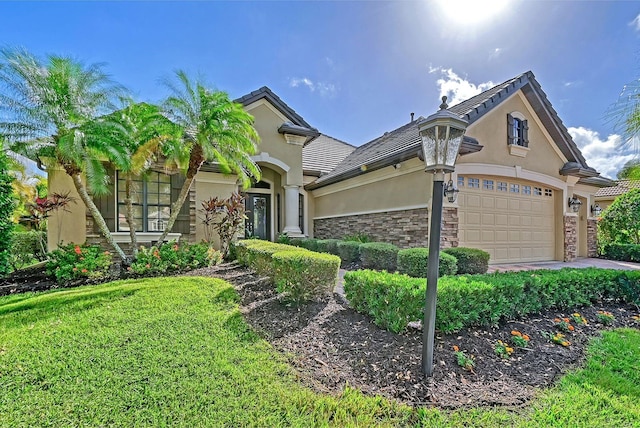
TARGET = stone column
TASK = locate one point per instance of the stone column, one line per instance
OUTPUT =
(449, 235)
(291, 209)
(592, 237)
(570, 237)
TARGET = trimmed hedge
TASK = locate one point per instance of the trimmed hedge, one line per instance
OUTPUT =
(304, 275)
(299, 273)
(622, 252)
(394, 300)
(470, 260)
(310, 244)
(379, 256)
(327, 246)
(414, 262)
(349, 251)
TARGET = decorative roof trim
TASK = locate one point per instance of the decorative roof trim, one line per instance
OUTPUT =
(275, 101)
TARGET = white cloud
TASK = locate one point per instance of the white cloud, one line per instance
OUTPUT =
(455, 87)
(636, 23)
(325, 89)
(495, 53)
(571, 83)
(607, 156)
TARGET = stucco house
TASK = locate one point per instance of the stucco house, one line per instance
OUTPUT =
(518, 167)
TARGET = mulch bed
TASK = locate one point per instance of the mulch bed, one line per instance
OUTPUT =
(332, 346)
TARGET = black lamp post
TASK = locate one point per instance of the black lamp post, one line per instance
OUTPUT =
(442, 135)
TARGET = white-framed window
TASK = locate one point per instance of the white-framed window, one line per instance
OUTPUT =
(548, 192)
(473, 183)
(502, 186)
(460, 181)
(487, 184)
(537, 191)
(517, 130)
(514, 188)
(526, 190)
(151, 200)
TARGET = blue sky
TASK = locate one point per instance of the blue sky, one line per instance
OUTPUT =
(357, 69)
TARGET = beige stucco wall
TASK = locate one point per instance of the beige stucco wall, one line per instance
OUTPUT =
(491, 132)
(208, 185)
(267, 122)
(385, 189)
(73, 221)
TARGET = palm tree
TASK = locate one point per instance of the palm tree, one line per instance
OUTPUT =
(148, 137)
(44, 106)
(624, 114)
(215, 129)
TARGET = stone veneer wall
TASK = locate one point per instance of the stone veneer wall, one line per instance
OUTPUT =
(95, 238)
(406, 229)
(592, 237)
(570, 238)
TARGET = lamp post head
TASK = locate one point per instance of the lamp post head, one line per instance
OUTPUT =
(441, 135)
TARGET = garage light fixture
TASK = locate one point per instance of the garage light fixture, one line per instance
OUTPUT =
(574, 204)
(451, 192)
(441, 135)
(596, 210)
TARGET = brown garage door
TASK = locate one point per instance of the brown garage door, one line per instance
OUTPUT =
(513, 220)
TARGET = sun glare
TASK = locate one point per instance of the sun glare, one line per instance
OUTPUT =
(469, 12)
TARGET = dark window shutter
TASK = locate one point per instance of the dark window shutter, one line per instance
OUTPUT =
(510, 135)
(107, 203)
(525, 133)
(182, 224)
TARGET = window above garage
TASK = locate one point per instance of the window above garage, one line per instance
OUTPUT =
(517, 134)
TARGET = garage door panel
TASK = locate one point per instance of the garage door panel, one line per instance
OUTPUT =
(511, 227)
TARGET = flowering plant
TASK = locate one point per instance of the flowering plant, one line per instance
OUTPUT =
(605, 317)
(578, 319)
(465, 361)
(557, 338)
(72, 261)
(519, 339)
(563, 324)
(173, 256)
(503, 350)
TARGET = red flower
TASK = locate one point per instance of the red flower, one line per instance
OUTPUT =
(78, 250)
(84, 271)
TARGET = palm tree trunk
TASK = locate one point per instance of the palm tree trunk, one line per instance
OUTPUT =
(129, 205)
(177, 206)
(97, 217)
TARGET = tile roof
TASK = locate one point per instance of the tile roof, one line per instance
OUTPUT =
(622, 187)
(405, 140)
(324, 153)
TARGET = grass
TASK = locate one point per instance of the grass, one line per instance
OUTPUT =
(177, 352)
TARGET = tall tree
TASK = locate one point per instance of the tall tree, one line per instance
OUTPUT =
(149, 138)
(44, 105)
(215, 129)
(630, 170)
(624, 114)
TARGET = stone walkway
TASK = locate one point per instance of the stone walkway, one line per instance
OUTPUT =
(579, 263)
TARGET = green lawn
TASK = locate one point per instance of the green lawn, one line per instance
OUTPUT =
(176, 352)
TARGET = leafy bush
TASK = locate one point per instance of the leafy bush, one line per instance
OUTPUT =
(310, 244)
(256, 254)
(172, 257)
(224, 217)
(7, 204)
(71, 262)
(414, 262)
(304, 275)
(358, 237)
(324, 245)
(470, 260)
(348, 251)
(28, 247)
(620, 222)
(379, 256)
(623, 252)
(393, 300)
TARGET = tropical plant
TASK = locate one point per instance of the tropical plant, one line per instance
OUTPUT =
(148, 138)
(225, 217)
(46, 106)
(620, 222)
(7, 204)
(41, 209)
(215, 129)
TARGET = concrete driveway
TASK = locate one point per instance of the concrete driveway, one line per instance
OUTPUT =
(579, 263)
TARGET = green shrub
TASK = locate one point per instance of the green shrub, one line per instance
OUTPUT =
(71, 262)
(304, 275)
(414, 262)
(310, 244)
(324, 244)
(348, 251)
(379, 256)
(28, 247)
(7, 204)
(256, 254)
(470, 260)
(620, 222)
(622, 252)
(393, 300)
(172, 257)
(358, 237)
(332, 246)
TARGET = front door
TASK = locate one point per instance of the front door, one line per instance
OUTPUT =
(258, 223)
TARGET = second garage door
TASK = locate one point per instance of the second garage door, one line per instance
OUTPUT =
(512, 220)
